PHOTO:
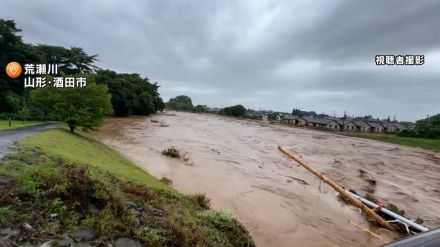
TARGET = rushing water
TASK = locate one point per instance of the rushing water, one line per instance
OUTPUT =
(237, 164)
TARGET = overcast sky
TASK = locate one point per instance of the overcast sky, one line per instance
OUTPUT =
(279, 55)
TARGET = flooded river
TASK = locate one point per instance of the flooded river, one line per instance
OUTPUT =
(236, 163)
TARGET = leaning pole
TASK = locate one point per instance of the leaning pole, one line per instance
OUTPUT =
(339, 189)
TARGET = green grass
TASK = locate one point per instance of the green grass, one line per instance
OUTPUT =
(83, 149)
(430, 144)
(62, 174)
(4, 124)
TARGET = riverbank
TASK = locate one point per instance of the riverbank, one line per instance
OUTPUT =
(62, 188)
(425, 143)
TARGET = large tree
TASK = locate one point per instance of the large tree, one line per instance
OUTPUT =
(181, 102)
(79, 107)
(131, 94)
(70, 61)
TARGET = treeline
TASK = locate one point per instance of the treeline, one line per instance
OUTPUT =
(425, 128)
(184, 103)
(130, 93)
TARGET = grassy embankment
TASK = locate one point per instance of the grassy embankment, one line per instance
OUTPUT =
(60, 183)
(431, 144)
(4, 124)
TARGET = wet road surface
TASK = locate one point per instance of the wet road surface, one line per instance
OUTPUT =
(8, 137)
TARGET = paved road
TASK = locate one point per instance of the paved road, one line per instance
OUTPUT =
(8, 137)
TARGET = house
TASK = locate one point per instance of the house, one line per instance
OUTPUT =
(362, 126)
(265, 117)
(289, 119)
(350, 125)
(390, 127)
(334, 124)
(345, 124)
(327, 123)
(399, 127)
(376, 127)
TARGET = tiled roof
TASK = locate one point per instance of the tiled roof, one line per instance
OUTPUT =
(291, 117)
(376, 124)
(319, 120)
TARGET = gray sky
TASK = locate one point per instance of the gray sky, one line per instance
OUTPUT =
(279, 55)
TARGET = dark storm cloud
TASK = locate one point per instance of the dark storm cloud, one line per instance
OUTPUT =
(264, 54)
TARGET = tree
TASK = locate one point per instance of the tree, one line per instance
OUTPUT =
(78, 107)
(12, 48)
(181, 102)
(131, 94)
(200, 108)
(429, 127)
(24, 113)
(297, 112)
(71, 61)
(146, 104)
(235, 111)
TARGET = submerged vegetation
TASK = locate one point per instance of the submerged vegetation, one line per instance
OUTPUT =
(68, 188)
(172, 152)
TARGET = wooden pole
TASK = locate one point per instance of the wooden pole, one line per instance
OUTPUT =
(367, 231)
(339, 189)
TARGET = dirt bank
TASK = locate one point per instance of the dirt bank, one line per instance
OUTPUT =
(237, 164)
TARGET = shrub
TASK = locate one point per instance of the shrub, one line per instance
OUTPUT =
(172, 152)
(202, 201)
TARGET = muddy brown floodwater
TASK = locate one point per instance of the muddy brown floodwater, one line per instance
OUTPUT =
(237, 164)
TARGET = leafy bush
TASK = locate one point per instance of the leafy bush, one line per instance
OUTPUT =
(4, 215)
(202, 200)
(234, 111)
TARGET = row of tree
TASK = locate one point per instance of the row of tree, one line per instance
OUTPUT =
(184, 103)
(425, 128)
(106, 92)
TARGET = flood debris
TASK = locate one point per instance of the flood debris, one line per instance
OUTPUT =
(339, 189)
(167, 181)
(391, 219)
(367, 177)
(299, 180)
(357, 225)
(396, 217)
(164, 125)
(216, 151)
(172, 152)
(154, 121)
(389, 206)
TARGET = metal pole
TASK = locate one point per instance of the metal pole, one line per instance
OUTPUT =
(391, 213)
